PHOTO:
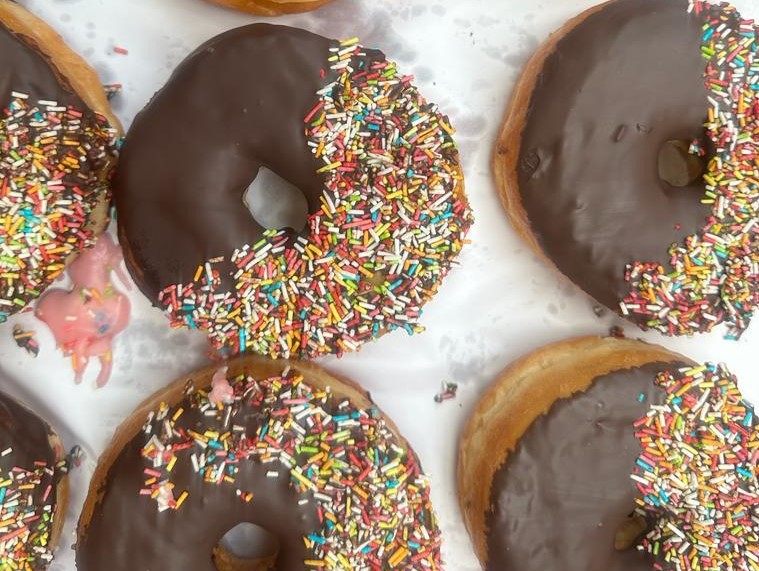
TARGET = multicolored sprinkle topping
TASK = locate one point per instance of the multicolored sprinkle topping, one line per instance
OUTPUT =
(51, 157)
(393, 217)
(697, 474)
(26, 515)
(714, 275)
(369, 492)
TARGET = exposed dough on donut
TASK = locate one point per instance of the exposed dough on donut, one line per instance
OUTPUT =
(255, 366)
(74, 72)
(272, 7)
(225, 561)
(508, 144)
(521, 393)
(61, 497)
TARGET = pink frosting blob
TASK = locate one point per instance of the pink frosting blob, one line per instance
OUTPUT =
(86, 319)
(221, 390)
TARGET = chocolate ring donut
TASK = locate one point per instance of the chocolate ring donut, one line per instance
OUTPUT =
(57, 147)
(376, 162)
(620, 168)
(33, 488)
(611, 454)
(285, 446)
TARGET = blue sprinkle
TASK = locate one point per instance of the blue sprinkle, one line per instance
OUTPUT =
(645, 465)
(653, 500)
(745, 473)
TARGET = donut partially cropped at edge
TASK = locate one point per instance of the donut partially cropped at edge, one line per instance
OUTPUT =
(605, 453)
(58, 145)
(627, 161)
(287, 446)
(34, 488)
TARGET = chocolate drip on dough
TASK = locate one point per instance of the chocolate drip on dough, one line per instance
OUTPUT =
(563, 493)
(618, 87)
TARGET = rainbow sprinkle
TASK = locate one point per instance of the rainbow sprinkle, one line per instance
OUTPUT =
(697, 474)
(714, 276)
(393, 217)
(370, 494)
(50, 160)
(26, 515)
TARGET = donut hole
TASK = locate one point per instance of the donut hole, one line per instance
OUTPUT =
(246, 547)
(275, 203)
(677, 166)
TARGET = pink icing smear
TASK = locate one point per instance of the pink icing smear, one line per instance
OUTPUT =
(221, 390)
(86, 319)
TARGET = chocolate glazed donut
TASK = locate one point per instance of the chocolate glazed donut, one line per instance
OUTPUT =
(577, 157)
(377, 164)
(41, 76)
(365, 505)
(611, 454)
(222, 147)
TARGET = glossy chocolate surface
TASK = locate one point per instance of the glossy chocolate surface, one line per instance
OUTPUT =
(618, 86)
(561, 495)
(127, 532)
(236, 104)
(26, 434)
(25, 70)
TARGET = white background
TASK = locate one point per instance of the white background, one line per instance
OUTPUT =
(499, 304)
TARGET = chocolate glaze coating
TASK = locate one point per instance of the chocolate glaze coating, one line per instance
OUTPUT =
(29, 438)
(128, 533)
(27, 434)
(618, 86)
(560, 496)
(26, 70)
(234, 105)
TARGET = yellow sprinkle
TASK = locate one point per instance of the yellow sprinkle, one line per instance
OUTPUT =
(181, 499)
(302, 479)
(396, 558)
